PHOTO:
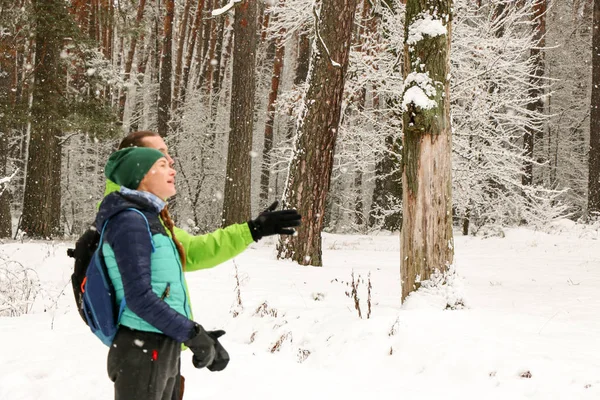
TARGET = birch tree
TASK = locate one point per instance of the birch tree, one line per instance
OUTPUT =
(426, 241)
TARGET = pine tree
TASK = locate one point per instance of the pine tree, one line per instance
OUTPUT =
(41, 206)
(236, 207)
(310, 170)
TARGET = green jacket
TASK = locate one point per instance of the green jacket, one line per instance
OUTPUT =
(211, 249)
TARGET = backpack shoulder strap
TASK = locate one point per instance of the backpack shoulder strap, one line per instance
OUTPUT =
(147, 226)
(100, 242)
(131, 209)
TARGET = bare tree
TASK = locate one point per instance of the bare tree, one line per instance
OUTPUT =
(310, 170)
(426, 240)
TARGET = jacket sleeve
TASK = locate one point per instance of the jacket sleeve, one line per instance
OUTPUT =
(207, 251)
(128, 236)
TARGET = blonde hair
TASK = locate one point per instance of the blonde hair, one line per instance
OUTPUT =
(166, 217)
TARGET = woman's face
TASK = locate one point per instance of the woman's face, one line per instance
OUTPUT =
(160, 180)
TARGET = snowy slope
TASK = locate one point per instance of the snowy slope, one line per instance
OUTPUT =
(532, 309)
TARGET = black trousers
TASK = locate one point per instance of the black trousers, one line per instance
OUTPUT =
(144, 365)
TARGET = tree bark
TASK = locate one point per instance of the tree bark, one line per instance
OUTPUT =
(426, 240)
(183, 28)
(190, 50)
(236, 206)
(268, 137)
(594, 154)
(130, 54)
(535, 133)
(166, 69)
(7, 106)
(41, 205)
(310, 170)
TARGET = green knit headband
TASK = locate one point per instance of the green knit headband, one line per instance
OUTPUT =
(127, 167)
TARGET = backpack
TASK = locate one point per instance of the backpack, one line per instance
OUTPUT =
(92, 287)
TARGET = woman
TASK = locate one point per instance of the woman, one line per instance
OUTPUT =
(145, 264)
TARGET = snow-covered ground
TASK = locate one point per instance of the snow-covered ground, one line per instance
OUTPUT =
(530, 328)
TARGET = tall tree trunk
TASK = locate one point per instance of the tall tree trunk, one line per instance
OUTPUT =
(190, 51)
(166, 69)
(130, 54)
(310, 170)
(217, 76)
(388, 169)
(183, 28)
(41, 206)
(209, 63)
(536, 104)
(426, 240)
(388, 183)
(8, 106)
(303, 57)
(268, 142)
(594, 157)
(236, 205)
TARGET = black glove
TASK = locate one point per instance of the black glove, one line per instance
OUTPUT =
(203, 347)
(270, 222)
(221, 357)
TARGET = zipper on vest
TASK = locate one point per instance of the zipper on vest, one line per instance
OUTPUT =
(167, 292)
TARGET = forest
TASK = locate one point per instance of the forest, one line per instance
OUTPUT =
(258, 98)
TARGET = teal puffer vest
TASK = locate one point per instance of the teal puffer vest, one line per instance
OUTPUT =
(166, 279)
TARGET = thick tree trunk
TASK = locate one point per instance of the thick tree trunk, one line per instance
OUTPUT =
(236, 206)
(535, 133)
(310, 170)
(41, 205)
(426, 240)
(594, 157)
(166, 69)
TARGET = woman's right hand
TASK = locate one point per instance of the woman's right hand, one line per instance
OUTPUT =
(203, 347)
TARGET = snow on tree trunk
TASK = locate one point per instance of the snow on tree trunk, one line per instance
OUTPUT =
(310, 170)
(594, 157)
(236, 206)
(41, 205)
(426, 240)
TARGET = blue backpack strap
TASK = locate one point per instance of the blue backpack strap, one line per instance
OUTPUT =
(123, 303)
(147, 226)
